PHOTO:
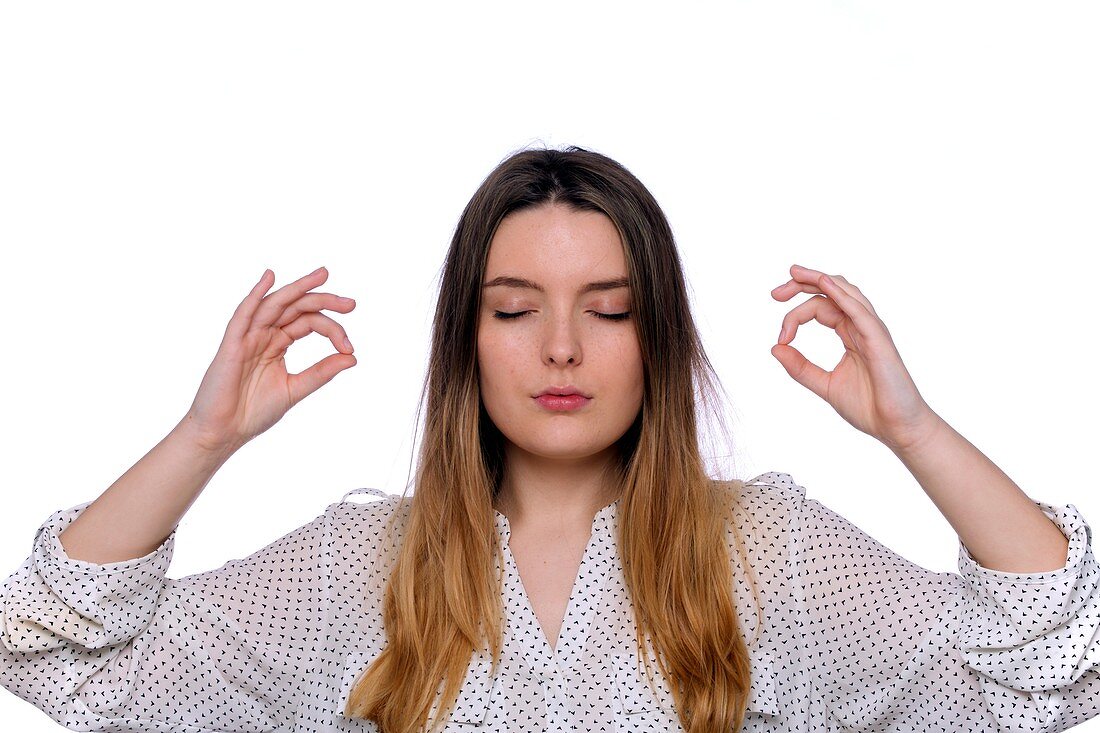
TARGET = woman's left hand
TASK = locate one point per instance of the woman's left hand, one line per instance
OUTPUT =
(870, 386)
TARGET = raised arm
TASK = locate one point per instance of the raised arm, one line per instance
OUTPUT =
(91, 630)
(244, 392)
(895, 647)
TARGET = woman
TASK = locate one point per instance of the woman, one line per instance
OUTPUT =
(562, 514)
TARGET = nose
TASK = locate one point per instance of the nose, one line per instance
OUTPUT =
(561, 344)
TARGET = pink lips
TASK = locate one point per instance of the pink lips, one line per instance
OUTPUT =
(561, 403)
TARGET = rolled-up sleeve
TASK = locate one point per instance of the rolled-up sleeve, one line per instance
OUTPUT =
(54, 600)
(1034, 638)
(122, 647)
(897, 647)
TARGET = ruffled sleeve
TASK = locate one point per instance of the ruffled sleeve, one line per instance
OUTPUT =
(897, 647)
(54, 600)
(1037, 633)
(121, 647)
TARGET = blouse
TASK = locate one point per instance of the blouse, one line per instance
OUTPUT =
(853, 637)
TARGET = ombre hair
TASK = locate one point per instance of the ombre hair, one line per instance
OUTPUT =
(443, 601)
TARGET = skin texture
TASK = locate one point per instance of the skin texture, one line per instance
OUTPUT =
(1002, 528)
(555, 461)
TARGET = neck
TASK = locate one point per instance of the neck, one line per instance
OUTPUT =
(540, 492)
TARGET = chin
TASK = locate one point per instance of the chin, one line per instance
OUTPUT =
(562, 448)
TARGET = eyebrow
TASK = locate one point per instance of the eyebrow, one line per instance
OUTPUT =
(509, 281)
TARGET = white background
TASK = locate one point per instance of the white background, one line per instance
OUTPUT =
(155, 158)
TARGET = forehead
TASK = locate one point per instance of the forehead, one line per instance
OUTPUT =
(556, 242)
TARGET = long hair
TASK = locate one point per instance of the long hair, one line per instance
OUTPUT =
(443, 602)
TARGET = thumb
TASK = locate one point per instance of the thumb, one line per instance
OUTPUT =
(308, 381)
(801, 369)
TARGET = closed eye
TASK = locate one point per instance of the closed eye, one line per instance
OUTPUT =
(609, 316)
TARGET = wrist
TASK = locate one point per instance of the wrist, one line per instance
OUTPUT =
(918, 438)
(202, 443)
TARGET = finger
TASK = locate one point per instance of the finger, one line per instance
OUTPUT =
(791, 288)
(805, 280)
(313, 302)
(242, 315)
(308, 381)
(802, 370)
(820, 309)
(866, 322)
(273, 305)
(314, 322)
(853, 290)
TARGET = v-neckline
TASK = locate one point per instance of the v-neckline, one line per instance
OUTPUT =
(584, 598)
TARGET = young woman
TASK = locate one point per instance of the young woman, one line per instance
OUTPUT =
(564, 561)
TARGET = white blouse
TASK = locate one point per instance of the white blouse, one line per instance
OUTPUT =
(854, 637)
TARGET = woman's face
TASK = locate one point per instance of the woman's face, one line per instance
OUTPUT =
(540, 261)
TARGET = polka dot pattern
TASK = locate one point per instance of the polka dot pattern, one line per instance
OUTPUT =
(853, 637)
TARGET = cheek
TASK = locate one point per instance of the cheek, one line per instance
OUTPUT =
(498, 362)
(627, 357)
(493, 341)
(623, 369)
(634, 373)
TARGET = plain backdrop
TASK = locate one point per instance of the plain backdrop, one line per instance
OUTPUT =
(155, 158)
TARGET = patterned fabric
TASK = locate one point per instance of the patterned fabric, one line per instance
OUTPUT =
(853, 636)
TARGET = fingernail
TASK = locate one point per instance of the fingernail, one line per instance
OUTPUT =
(347, 344)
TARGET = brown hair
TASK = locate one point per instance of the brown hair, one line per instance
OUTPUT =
(442, 602)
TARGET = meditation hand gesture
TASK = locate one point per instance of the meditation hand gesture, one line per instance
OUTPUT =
(246, 389)
(870, 386)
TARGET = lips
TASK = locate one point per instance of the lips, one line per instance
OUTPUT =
(562, 403)
(565, 390)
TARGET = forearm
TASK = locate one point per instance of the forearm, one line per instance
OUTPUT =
(999, 524)
(139, 510)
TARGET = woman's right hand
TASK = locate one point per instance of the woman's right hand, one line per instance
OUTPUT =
(246, 389)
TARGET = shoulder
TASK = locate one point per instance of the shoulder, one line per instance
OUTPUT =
(365, 524)
(379, 508)
(778, 486)
(770, 490)
(763, 507)
(361, 548)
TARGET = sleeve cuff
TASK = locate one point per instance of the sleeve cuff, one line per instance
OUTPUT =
(92, 604)
(1029, 631)
(49, 550)
(1069, 520)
